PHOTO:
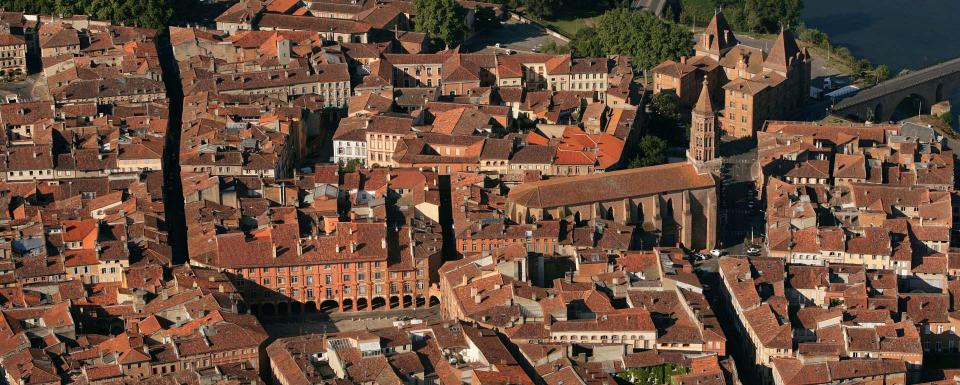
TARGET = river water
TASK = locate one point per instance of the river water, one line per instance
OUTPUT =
(900, 33)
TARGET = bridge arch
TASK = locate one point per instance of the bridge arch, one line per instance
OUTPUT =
(877, 113)
(932, 84)
(909, 106)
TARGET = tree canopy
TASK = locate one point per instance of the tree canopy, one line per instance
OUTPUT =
(651, 151)
(744, 15)
(771, 15)
(645, 37)
(441, 19)
(485, 18)
(666, 120)
(543, 9)
(142, 13)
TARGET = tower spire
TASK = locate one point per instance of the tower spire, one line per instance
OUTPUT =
(703, 129)
(704, 102)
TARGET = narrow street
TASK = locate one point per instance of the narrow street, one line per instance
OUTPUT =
(172, 191)
(740, 213)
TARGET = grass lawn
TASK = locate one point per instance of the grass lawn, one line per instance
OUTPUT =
(568, 22)
(568, 27)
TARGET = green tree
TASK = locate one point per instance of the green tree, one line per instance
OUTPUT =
(351, 165)
(666, 106)
(552, 47)
(485, 18)
(142, 13)
(508, 3)
(771, 15)
(440, 19)
(666, 119)
(647, 38)
(947, 118)
(587, 43)
(883, 73)
(651, 151)
(542, 9)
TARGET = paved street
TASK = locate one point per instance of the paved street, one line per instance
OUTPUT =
(513, 35)
(740, 214)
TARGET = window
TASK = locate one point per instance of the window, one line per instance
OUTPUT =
(309, 280)
(279, 280)
(266, 281)
(346, 278)
(328, 279)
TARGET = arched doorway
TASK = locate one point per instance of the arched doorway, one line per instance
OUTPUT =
(267, 309)
(283, 308)
(347, 304)
(310, 307)
(377, 303)
(394, 302)
(434, 301)
(361, 304)
(329, 305)
(296, 308)
(407, 301)
(421, 301)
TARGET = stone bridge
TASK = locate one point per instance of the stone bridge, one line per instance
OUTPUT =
(878, 103)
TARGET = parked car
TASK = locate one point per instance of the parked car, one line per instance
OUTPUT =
(716, 252)
(753, 250)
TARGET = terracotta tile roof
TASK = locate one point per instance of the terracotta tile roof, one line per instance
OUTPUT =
(613, 185)
(310, 23)
(636, 320)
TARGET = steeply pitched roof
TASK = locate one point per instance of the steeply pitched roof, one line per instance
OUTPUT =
(610, 186)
